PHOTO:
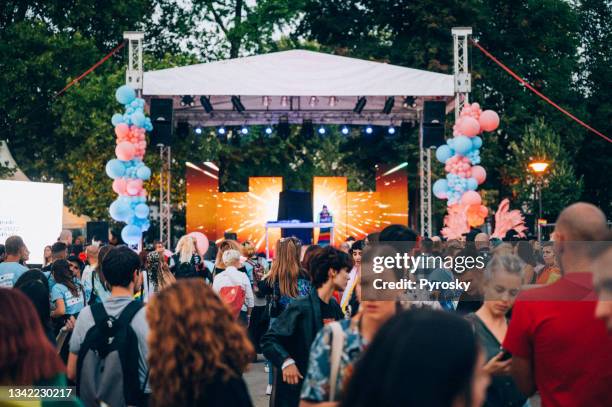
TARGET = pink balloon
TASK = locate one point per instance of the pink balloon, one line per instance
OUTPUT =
(479, 173)
(122, 130)
(143, 192)
(471, 198)
(489, 120)
(119, 186)
(468, 126)
(134, 186)
(201, 242)
(125, 151)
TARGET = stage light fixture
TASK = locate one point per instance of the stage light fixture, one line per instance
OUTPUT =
(237, 104)
(198, 130)
(369, 130)
(284, 101)
(361, 102)
(265, 101)
(187, 101)
(268, 130)
(205, 101)
(221, 130)
(321, 130)
(409, 102)
(388, 105)
(344, 130)
(391, 130)
(313, 101)
(333, 101)
(244, 130)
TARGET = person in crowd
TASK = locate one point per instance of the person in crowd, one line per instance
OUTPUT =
(114, 238)
(503, 278)
(35, 285)
(59, 251)
(77, 266)
(158, 276)
(355, 334)
(91, 252)
(349, 301)
(2, 253)
(11, 268)
(286, 282)
(77, 246)
(524, 250)
(231, 278)
(225, 245)
(159, 247)
(345, 247)
(602, 281)
(325, 216)
(27, 358)
(310, 251)
(121, 269)
(553, 328)
(186, 262)
(65, 237)
(551, 271)
(372, 238)
(398, 233)
(46, 256)
(67, 293)
(444, 376)
(256, 269)
(287, 342)
(196, 370)
(97, 286)
(470, 300)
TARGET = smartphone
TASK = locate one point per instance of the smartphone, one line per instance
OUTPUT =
(505, 356)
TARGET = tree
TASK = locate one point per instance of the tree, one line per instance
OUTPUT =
(561, 186)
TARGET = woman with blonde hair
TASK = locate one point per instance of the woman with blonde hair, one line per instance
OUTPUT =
(204, 369)
(186, 262)
(224, 246)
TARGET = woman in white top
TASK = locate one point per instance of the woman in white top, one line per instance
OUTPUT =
(232, 277)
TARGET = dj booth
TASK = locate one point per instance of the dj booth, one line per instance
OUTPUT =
(296, 225)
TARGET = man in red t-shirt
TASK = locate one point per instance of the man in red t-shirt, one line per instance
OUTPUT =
(602, 268)
(558, 346)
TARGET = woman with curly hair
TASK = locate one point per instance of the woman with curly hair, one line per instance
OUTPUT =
(197, 352)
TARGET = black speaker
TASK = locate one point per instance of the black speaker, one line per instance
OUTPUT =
(230, 236)
(161, 116)
(434, 118)
(296, 205)
(97, 231)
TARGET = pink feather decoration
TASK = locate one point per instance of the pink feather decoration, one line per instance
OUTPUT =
(506, 220)
(455, 222)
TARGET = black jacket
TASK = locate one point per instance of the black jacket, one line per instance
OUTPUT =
(290, 336)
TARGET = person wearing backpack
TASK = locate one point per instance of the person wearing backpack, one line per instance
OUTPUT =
(109, 340)
(186, 262)
(234, 287)
(287, 342)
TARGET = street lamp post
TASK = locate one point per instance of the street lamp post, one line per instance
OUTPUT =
(539, 168)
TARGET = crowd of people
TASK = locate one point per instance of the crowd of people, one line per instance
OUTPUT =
(180, 329)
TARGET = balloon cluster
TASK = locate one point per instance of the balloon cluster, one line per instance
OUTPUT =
(127, 170)
(461, 156)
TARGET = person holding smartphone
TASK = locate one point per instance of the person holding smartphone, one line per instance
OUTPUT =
(503, 278)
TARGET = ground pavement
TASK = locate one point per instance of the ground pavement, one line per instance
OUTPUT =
(256, 380)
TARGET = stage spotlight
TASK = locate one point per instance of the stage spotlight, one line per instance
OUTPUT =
(361, 102)
(205, 101)
(313, 101)
(268, 130)
(344, 130)
(333, 101)
(321, 130)
(391, 130)
(244, 130)
(388, 105)
(237, 104)
(265, 100)
(409, 102)
(198, 130)
(284, 101)
(187, 101)
(221, 130)
(369, 130)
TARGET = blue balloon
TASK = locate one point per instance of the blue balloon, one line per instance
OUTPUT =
(462, 145)
(138, 119)
(141, 210)
(440, 188)
(476, 142)
(472, 184)
(131, 234)
(117, 119)
(135, 103)
(115, 168)
(125, 94)
(120, 210)
(443, 153)
(143, 172)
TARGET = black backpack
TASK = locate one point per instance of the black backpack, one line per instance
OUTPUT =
(107, 364)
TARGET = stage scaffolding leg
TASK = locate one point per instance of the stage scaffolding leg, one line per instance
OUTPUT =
(165, 208)
(463, 79)
(425, 183)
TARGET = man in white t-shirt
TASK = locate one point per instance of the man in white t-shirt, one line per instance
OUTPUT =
(231, 277)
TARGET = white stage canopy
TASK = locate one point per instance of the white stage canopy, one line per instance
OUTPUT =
(298, 85)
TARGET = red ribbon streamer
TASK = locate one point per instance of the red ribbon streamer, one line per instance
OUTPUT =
(531, 88)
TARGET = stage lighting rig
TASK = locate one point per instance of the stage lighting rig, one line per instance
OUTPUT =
(187, 100)
(388, 105)
(409, 102)
(244, 130)
(221, 130)
(237, 104)
(321, 130)
(391, 130)
(205, 101)
(361, 102)
(198, 130)
(345, 130)
(268, 130)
